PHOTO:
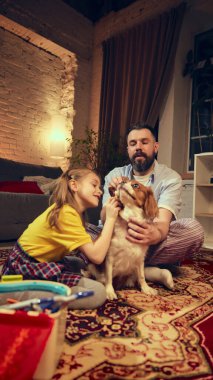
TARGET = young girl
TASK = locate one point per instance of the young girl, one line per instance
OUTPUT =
(39, 252)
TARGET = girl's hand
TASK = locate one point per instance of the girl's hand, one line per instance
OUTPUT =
(117, 180)
(112, 208)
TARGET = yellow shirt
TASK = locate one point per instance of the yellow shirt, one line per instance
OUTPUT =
(47, 243)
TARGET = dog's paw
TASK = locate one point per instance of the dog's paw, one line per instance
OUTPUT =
(148, 290)
(111, 295)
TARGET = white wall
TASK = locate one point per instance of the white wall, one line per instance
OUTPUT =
(165, 136)
(175, 119)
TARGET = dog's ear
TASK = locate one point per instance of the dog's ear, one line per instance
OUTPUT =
(150, 205)
(112, 190)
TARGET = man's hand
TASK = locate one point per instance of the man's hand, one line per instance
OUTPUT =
(150, 233)
(143, 232)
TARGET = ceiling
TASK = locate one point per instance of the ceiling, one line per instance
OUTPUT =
(94, 10)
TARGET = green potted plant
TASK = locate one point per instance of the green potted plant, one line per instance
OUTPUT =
(85, 150)
(85, 153)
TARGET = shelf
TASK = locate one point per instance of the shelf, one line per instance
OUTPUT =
(205, 184)
(203, 195)
(204, 214)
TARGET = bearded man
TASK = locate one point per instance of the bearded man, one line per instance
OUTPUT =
(170, 239)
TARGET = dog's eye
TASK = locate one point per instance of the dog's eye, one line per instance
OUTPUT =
(135, 186)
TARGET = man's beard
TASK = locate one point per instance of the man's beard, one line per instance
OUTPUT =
(138, 165)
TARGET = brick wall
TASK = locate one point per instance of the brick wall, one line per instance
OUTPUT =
(31, 93)
(57, 23)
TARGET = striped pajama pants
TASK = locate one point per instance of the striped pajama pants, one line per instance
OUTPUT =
(185, 237)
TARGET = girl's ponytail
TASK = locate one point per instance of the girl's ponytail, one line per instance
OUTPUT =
(59, 198)
(62, 194)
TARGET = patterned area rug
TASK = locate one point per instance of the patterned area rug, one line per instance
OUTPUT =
(168, 336)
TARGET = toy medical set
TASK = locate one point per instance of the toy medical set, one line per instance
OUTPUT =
(32, 326)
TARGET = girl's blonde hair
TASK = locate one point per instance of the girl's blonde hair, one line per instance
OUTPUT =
(64, 195)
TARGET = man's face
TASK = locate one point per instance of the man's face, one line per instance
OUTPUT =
(142, 149)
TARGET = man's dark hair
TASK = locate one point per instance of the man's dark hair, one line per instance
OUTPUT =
(140, 125)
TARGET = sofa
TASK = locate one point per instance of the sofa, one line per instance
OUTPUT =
(24, 194)
(21, 201)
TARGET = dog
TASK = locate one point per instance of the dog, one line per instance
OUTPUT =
(125, 260)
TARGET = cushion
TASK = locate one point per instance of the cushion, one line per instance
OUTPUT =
(15, 171)
(48, 188)
(47, 185)
(20, 187)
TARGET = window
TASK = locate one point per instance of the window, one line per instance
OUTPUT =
(201, 70)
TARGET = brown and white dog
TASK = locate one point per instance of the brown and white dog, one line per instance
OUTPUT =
(125, 260)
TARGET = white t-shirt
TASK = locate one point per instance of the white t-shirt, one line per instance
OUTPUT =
(165, 183)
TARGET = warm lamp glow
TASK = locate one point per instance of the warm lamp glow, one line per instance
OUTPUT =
(57, 135)
(57, 149)
(57, 144)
